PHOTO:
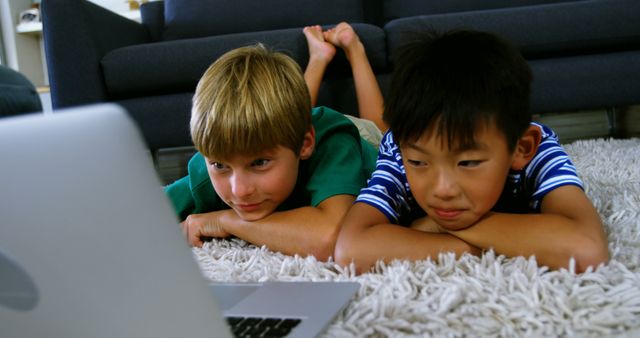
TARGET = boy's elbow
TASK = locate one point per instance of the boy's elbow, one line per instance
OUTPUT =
(589, 253)
(345, 250)
(591, 257)
(342, 255)
(322, 252)
(324, 247)
(346, 254)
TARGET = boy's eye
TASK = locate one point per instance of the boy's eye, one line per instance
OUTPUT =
(469, 163)
(415, 163)
(261, 162)
(218, 165)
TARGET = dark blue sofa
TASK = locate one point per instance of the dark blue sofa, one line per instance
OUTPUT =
(584, 54)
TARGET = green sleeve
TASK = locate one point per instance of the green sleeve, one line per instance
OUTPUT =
(336, 168)
(179, 193)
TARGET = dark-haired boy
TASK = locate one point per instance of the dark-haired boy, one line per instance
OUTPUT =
(463, 163)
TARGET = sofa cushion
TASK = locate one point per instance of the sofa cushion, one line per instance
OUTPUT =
(540, 31)
(198, 18)
(172, 66)
(163, 119)
(394, 9)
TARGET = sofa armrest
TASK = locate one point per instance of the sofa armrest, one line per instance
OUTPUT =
(17, 94)
(152, 14)
(77, 34)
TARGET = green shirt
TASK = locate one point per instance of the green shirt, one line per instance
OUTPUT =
(340, 164)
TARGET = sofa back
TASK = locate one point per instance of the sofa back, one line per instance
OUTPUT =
(199, 18)
(181, 19)
(539, 31)
(394, 9)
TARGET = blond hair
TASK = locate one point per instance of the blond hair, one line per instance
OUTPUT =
(250, 100)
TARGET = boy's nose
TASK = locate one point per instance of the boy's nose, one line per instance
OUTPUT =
(444, 185)
(241, 185)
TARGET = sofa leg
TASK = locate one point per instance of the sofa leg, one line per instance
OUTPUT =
(612, 121)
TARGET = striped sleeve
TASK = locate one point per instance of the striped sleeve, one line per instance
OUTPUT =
(386, 190)
(550, 168)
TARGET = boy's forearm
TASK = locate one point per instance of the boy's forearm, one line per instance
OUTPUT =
(388, 242)
(568, 226)
(303, 231)
(289, 232)
(366, 237)
(553, 239)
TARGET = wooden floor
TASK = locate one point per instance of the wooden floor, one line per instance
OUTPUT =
(621, 123)
(172, 163)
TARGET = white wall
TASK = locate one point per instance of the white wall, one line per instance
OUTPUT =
(114, 5)
(23, 52)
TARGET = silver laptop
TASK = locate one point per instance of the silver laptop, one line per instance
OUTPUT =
(90, 246)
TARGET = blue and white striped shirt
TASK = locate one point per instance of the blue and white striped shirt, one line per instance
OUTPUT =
(389, 191)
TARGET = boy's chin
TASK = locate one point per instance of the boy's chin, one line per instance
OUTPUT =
(455, 227)
(253, 216)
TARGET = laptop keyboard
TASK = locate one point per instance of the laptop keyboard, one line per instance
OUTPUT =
(261, 327)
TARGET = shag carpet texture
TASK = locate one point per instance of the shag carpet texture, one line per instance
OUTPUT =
(487, 296)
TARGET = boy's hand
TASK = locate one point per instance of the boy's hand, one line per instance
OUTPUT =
(427, 224)
(198, 226)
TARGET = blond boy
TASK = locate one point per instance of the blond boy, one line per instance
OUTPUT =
(269, 169)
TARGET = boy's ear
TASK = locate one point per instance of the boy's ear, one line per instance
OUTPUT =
(526, 147)
(308, 144)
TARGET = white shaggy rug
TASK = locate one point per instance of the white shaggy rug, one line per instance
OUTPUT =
(488, 296)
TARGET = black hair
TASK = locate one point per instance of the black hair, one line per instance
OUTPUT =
(450, 83)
